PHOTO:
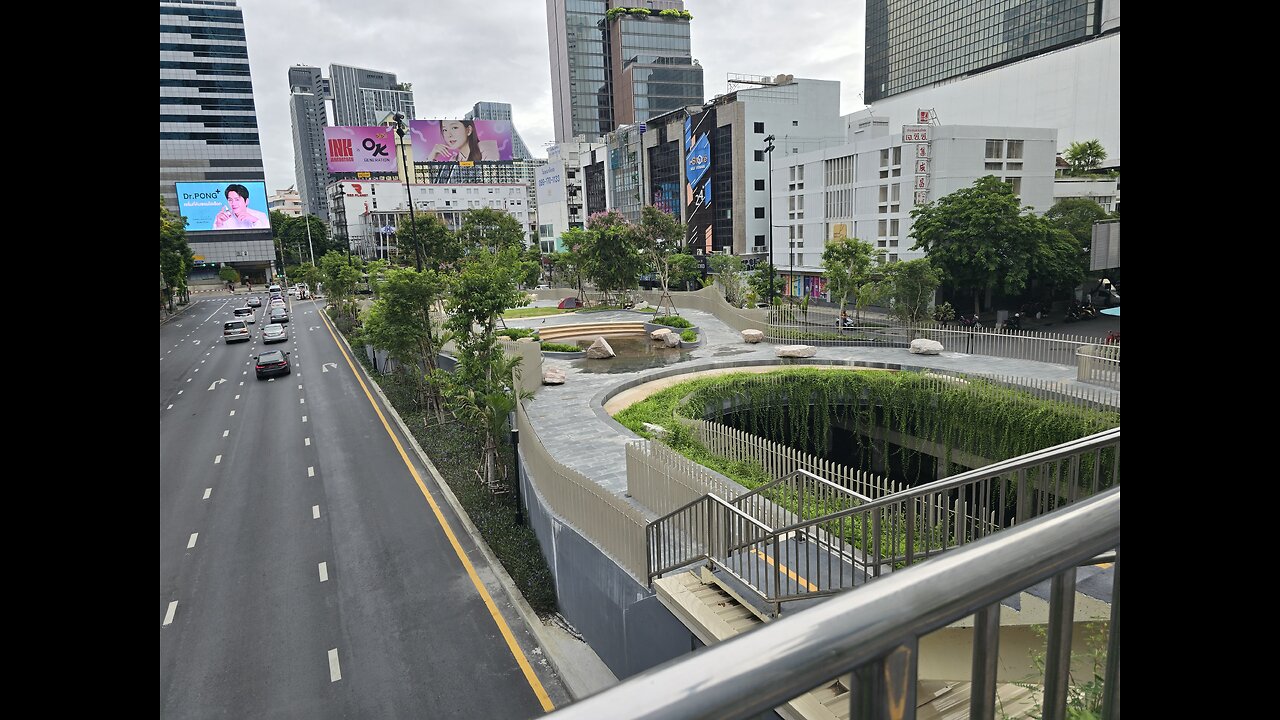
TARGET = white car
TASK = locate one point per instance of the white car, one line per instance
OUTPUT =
(293, 292)
(246, 314)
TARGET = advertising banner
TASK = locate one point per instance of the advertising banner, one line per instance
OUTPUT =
(551, 183)
(362, 148)
(461, 141)
(224, 206)
(697, 185)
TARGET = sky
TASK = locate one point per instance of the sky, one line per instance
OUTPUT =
(458, 53)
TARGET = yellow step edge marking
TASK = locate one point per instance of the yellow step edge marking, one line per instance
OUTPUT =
(1104, 566)
(808, 585)
(521, 660)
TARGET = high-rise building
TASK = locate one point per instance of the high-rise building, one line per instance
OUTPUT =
(364, 97)
(308, 117)
(208, 123)
(615, 62)
(501, 111)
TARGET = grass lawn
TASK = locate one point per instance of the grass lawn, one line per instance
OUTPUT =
(527, 312)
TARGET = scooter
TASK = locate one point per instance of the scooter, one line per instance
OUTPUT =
(1013, 322)
(970, 321)
(1075, 312)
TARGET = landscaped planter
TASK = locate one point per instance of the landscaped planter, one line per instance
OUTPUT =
(650, 327)
(564, 355)
(686, 345)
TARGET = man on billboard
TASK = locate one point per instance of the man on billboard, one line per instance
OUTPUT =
(236, 213)
(461, 144)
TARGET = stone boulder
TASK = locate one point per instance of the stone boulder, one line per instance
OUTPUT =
(659, 333)
(922, 346)
(553, 376)
(600, 350)
(752, 336)
(796, 351)
(671, 340)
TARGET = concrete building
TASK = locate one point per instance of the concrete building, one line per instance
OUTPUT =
(363, 97)
(208, 122)
(308, 118)
(1102, 190)
(1027, 63)
(287, 201)
(501, 111)
(561, 201)
(867, 188)
(609, 71)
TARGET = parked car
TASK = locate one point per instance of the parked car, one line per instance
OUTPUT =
(254, 301)
(246, 314)
(270, 364)
(235, 331)
(274, 333)
(279, 315)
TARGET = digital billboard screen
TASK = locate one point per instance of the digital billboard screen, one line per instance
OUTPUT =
(697, 189)
(224, 206)
(461, 141)
(362, 148)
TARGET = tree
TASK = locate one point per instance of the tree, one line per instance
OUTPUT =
(661, 239)
(573, 260)
(611, 258)
(229, 274)
(1084, 156)
(913, 284)
(340, 277)
(400, 321)
(1058, 263)
(291, 232)
(489, 230)
(684, 269)
(530, 266)
(759, 282)
(729, 273)
(440, 246)
(849, 263)
(1077, 216)
(176, 258)
(977, 237)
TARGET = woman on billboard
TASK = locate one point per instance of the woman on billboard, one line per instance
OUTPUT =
(461, 144)
(237, 213)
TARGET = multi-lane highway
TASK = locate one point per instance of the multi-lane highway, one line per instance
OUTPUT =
(308, 566)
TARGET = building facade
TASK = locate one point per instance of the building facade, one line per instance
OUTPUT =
(308, 118)
(501, 111)
(208, 121)
(364, 97)
(287, 201)
(561, 200)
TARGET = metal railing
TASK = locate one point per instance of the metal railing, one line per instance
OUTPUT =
(875, 633)
(1099, 365)
(821, 554)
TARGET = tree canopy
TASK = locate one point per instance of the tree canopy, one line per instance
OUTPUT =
(1084, 156)
(176, 258)
(849, 263)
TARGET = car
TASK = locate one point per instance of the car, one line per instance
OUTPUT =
(254, 301)
(278, 304)
(274, 333)
(270, 364)
(279, 315)
(293, 292)
(273, 288)
(235, 331)
(246, 314)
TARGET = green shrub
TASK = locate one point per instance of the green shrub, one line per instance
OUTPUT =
(517, 333)
(559, 347)
(674, 321)
(689, 336)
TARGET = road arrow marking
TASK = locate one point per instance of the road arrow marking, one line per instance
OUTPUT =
(325, 367)
(216, 383)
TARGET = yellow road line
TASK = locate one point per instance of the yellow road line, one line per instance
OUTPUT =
(808, 585)
(523, 662)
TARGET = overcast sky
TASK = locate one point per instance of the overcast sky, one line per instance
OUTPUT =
(458, 53)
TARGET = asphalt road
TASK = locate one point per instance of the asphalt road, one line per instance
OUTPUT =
(303, 572)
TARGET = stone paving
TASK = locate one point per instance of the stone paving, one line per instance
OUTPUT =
(571, 423)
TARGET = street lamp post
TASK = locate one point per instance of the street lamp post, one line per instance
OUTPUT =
(310, 247)
(769, 150)
(413, 223)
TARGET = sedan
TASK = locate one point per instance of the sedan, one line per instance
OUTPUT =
(254, 301)
(279, 315)
(274, 333)
(246, 314)
(270, 364)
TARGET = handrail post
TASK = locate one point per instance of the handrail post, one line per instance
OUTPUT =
(885, 689)
(1111, 688)
(986, 656)
(1057, 670)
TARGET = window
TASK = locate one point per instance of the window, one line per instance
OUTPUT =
(893, 257)
(884, 158)
(1015, 150)
(759, 184)
(760, 128)
(884, 195)
(759, 156)
(792, 173)
(1013, 166)
(883, 227)
(795, 123)
(995, 149)
(760, 212)
(759, 241)
(897, 155)
(993, 166)
(1016, 182)
(893, 228)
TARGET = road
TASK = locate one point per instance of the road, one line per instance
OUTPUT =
(304, 570)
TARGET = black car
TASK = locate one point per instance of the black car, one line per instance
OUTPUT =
(279, 315)
(270, 364)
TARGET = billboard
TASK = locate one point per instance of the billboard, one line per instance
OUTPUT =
(224, 206)
(363, 148)
(551, 183)
(697, 186)
(461, 141)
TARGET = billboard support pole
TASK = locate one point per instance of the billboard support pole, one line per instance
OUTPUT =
(413, 222)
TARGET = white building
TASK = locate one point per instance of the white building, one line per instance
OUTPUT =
(287, 201)
(868, 187)
(559, 192)
(1104, 191)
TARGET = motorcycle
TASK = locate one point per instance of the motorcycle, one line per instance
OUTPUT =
(1013, 322)
(1075, 313)
(970, 321)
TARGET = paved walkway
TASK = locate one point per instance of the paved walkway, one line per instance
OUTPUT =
(572, 425)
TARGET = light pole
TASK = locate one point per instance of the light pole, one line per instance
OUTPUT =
(413, 223)
(769, 150)
(310, 247)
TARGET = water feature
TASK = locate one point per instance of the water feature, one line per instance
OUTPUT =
(633, 353)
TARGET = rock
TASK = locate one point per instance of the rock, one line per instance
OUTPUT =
(752, 336)
(600, 350)
(923, 346)
(553, 376)
(659, 333)
(797, 351)
(657, 430)
(671, 340)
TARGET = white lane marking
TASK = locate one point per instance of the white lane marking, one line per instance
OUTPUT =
(335, 672)
(188, 379)
(302, 401)
(233, 412)
(197, 370)
(311, 471)
(304, 417)
(173, 607)
(315, 512)
(217, 460)
(169, 408)
(237, 397)
(202, 362)
(225, 433)
(306, 441)
(192, 542)
(324, 572)
(246, 372)
(299, 387)
(207, 493)
(179, 392)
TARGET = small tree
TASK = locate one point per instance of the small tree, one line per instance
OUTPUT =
(229, 274)
(661, 238)
(729, 272)
(1076, 216)
(611, 257)
(340, 278)
(401, 322)
(914, 283)
(574, 259)
(848, 263)
(440, 247)
(1084, 156)
(489, 230)
(176, 258)
(760, 281)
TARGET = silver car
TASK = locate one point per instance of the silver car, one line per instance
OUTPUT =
(274, 333)
(235, 331)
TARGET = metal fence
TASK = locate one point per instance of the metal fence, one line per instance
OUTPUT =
(876, 635)
(873, 537)
(662, 479)
(1099, 365)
